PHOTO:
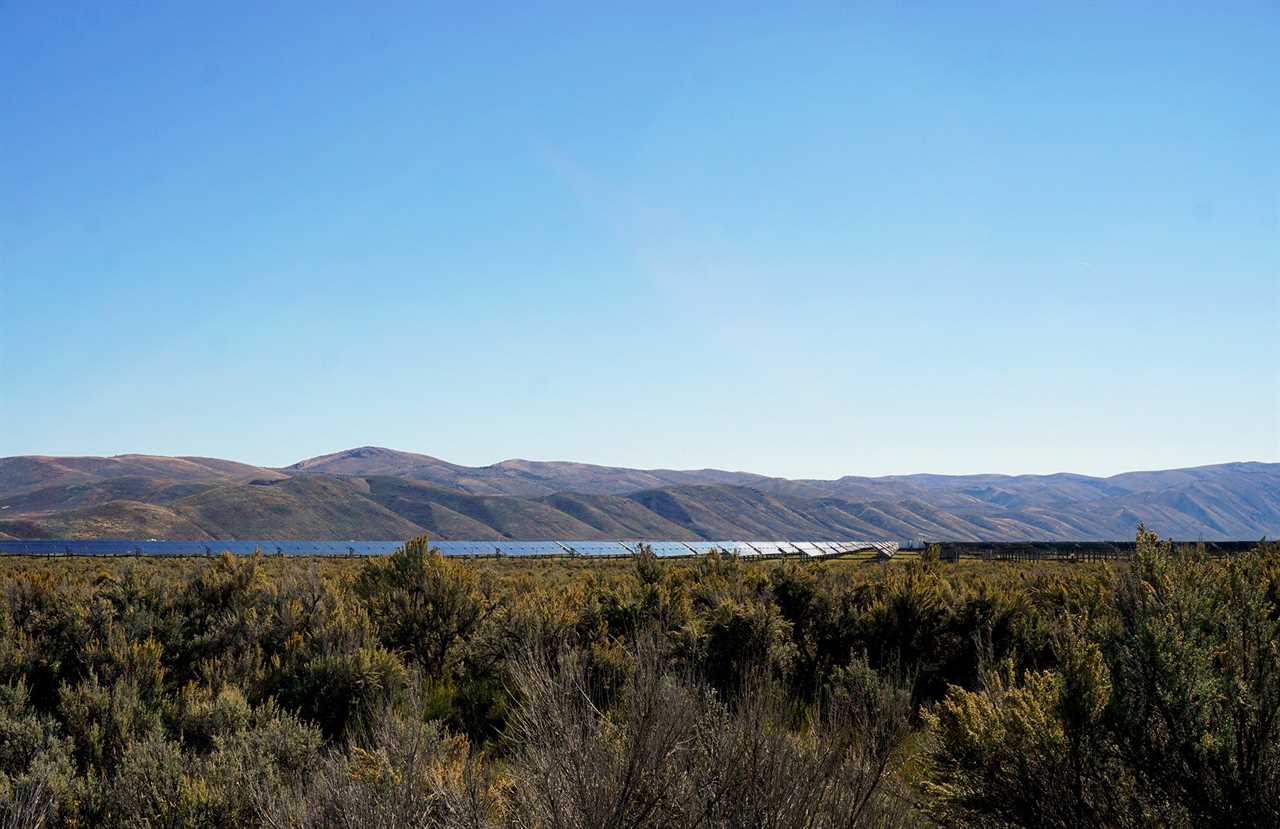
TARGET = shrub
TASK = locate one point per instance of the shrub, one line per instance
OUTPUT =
(717, 692)
(424, 605)
(104, 720)
(1196, 663)
(399, 772)
(340, 691)
(1162, 712)
(672, 753)
(36, 768)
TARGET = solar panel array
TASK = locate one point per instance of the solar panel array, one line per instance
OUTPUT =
(597, 548)
(669, 549)
(466, 548)
(529, 548)
(665, 549)
(702, 548)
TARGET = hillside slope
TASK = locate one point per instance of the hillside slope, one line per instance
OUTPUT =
(375, 493)
(30, 472)
(511, 477)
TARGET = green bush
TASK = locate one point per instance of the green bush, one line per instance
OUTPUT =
(282, 692)
(341, 691)
(1161, 709)
(424, 605)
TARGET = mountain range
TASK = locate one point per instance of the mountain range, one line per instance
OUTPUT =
(376, 493)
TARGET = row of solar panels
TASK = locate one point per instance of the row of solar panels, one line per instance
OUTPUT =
(665, 549)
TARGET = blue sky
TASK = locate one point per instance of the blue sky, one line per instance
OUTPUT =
(812, 241)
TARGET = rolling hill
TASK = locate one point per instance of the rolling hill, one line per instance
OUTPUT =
(374, 493)
(30, 472)
(512, 477)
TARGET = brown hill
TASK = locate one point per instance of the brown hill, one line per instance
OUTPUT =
(378, 493)
(512, 477)
(29, 472)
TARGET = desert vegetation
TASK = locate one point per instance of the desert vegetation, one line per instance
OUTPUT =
(418, 691)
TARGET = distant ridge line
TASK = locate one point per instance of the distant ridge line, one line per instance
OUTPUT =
(373, 493)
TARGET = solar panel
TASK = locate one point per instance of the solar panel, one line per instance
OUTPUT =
(465, 548)
(598, 548)
(730, 547)
(530, 548)
(669, 549)
(666, 549)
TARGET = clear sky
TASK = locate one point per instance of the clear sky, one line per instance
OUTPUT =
(800, 239)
